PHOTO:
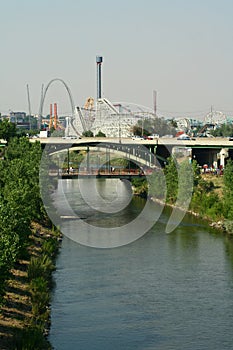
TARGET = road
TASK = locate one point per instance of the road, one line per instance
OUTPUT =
(198, 142)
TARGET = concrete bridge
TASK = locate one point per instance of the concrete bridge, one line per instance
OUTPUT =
(204, 150)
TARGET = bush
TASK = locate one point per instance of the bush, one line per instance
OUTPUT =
(207, 204)
(228, 224)
(50, 247)
(40, 267)
(40, 297)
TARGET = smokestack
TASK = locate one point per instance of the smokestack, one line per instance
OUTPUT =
(99, 60)
(51, 117)
(51, 110)
(55, 116)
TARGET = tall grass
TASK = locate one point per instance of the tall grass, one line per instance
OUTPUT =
(40, 267)
(30, 339)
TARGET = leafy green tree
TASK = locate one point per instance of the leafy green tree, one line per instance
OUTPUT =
(22, 162)
(185, 183)
(140, 186)
(196, 173)
(207, 204)
(20, 193)
(8, 254)
(88, 133)
(7, 130)
(225, 130)
(173, 123)
(20, 204)
(148, 126)
(157, 184)
(100, 134)
(228, 190)
(171, 175)
(204, 200)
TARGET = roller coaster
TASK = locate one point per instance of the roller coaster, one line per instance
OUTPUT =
(110, 118)
(113, 119)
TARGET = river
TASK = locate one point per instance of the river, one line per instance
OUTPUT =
(163, 291)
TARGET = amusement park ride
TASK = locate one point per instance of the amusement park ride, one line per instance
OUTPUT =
(112, 119)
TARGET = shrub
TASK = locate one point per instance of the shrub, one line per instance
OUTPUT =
(50, 247)
(40, 267)
(39, 296)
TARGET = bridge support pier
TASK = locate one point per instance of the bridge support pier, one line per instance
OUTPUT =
(223, 155)
(68, 161)
(88, 160)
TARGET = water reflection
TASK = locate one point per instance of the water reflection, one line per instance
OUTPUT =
(163, 292)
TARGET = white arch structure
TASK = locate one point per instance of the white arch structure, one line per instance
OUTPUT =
(71, 119)
(45, 92)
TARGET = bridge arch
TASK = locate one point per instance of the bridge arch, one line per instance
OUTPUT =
(45, 92)
(139, 155)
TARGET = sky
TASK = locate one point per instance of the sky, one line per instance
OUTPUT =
(181, 49)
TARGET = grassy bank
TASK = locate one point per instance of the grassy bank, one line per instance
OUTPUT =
(211, 195)
(25, 313)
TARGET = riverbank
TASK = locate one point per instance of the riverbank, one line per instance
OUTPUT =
(24, 323)
(214, 187)
(218, 225)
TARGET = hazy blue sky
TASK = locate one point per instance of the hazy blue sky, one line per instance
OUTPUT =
(182, 49)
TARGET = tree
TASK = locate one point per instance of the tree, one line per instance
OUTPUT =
(225, 130)
(8, 254)
(171, 175)
(7, 130)
(185, 184)
(20, 186)
(157, 184)
(228, 190)
(205, 200)
(148, 126)
(173, 123)
(88, 133)
(100, 134)
(20, 201)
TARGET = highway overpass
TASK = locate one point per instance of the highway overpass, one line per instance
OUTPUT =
(197, 142)
(205, 150)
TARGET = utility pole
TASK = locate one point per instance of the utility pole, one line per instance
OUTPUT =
(155, 101)
(29, 107)
(119, 129)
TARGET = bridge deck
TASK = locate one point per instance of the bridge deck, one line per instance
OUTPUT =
(101, 174)
(198, 142)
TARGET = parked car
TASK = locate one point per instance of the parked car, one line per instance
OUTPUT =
(169, 136)
(137, 137)
(71, 137)
(183, 137)
(153, 136)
